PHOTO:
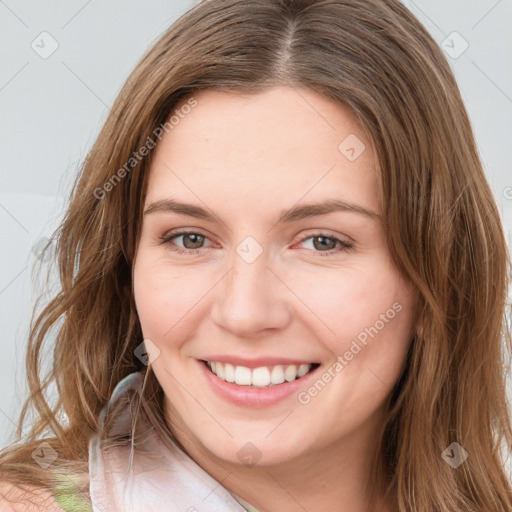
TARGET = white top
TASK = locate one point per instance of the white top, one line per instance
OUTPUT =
(159, 478)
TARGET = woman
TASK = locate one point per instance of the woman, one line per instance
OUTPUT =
(283, 281)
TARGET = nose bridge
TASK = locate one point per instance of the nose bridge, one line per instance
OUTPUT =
(247, 285)
(251, 298)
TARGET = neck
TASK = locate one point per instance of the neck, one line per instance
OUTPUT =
(305, 484)
(338, 473)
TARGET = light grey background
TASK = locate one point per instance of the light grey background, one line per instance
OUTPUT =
(52, 109)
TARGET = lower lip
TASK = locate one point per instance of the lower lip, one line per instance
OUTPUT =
(247, 396)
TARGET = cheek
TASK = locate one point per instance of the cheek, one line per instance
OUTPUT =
(345, 303)
(337, 305)
(165, 297)
(159, 297)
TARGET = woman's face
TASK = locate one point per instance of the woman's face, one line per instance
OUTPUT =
(284, 269)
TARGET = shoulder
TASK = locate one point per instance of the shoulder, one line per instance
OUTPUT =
(15, 499)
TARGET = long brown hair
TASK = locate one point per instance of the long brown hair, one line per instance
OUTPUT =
(442, 226)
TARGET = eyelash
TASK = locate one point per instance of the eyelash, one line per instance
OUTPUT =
(343, 246)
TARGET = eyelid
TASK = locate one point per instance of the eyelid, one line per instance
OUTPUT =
(343, 244)
(176, 233)
(328, 234)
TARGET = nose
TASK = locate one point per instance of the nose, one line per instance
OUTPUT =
(251, 299)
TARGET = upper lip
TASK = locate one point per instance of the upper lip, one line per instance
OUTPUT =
(257, 362)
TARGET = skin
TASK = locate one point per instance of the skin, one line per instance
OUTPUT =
(15, 499)
(246, 158)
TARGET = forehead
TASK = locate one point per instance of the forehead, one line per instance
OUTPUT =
(270, 149)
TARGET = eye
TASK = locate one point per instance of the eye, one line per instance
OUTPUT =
(322, 243)
(192, 241)
(327, 245)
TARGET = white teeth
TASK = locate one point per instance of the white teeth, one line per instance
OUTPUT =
(263, 376)
(290, 373)
(277, 375)
(220, 371)
(303, 369)
(229, 372)
(242, 376)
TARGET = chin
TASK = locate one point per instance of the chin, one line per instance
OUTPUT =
(246, 452)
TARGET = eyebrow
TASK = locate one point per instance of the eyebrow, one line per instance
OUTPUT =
(293, 214)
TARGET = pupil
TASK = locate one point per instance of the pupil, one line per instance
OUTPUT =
(198, 240)
(322, 244)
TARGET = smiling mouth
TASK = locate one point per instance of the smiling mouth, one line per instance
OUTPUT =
(262, 377)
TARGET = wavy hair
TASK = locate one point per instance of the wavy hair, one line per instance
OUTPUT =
(442, 226)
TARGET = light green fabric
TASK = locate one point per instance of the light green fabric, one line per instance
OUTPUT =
(69, 498)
